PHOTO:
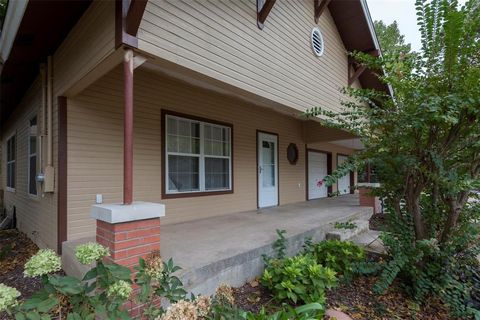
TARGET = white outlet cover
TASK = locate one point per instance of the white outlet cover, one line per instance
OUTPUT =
(99, 199)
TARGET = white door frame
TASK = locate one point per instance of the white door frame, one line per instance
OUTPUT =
(272, 198)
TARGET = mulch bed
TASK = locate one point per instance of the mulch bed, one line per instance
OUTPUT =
(359, 302)
(355, 299)
(15, 249)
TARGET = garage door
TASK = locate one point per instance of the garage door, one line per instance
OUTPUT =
(344, 182)
(317, 170)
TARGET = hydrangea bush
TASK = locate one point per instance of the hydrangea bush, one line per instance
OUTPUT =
(91, 252)
(8, 298)
(46, 261)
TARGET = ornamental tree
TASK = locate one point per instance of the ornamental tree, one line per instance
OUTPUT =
(423, 138)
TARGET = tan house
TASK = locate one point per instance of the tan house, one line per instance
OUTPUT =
(182, 110)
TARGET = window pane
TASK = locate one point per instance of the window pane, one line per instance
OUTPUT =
(32, 188)
(217, 140)
(172, 143)
(183, 173)
(171, 126)
(217, 173)
(33, 144)
(14, 148)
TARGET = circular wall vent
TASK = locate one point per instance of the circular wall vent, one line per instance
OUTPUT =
(318, 45)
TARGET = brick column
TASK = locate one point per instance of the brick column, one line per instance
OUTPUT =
(129, 231)
(128, 241)
(367, 199)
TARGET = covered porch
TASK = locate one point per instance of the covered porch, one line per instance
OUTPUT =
(229, 248)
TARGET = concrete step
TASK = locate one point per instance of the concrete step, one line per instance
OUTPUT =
(370, 240)
(342, 234)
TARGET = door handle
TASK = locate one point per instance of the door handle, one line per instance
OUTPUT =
(259, 169)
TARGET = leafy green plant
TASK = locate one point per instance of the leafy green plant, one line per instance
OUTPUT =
(345, 225)
(156, 279)
(341, 256)
(298, 279)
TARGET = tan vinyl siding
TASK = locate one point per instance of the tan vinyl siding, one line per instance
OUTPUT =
(221, 40)
(95, 137)
(36, 216)
(88, 43)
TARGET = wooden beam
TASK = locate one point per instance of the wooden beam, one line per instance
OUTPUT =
(134, 16)
(356, 74)
(320, 6)
(263, 9)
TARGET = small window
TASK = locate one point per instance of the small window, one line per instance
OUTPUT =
(318, 45)
(11, 160)
(198, 156)
(32, 157)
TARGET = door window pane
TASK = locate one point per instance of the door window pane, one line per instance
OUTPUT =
(268, 164)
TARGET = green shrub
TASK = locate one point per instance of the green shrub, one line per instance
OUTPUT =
(341, 256)
(298, 279)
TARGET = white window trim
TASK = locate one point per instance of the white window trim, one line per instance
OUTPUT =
(201, 156)
(7, 188)
(29, 155)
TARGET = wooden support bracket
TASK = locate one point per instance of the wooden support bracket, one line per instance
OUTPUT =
(263, 9)
(355, 70)
(320, 6)
(134, 16)
(356, 73)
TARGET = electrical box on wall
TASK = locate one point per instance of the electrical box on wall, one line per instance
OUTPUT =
(49, 182)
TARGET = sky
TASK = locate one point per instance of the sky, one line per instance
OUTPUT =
(403, 11)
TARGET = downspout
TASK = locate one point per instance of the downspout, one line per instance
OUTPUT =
(43, 118)
(49, 183)
(49, 112)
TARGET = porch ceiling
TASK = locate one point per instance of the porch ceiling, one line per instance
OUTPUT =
(315, 132)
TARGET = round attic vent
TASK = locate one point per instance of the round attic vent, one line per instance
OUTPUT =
(318, 45)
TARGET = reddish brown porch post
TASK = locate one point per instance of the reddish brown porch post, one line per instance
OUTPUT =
(128, 128)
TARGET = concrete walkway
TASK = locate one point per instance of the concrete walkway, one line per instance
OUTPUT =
(229, 248)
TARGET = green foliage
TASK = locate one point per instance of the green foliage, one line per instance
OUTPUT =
(390, 38)
(341, 256)
(348, 225)
(305, 312)
(158, 283)
(424, 143)
(298, 279)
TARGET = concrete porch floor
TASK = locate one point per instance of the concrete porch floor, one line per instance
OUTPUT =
(229, 248)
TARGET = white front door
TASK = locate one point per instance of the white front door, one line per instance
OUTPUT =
(267, 170)
(344, 182)
(317, 170)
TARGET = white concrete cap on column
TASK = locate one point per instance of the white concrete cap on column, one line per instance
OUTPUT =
(369, 185)
(118, 212)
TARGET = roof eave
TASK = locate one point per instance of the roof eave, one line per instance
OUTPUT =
(13, 18)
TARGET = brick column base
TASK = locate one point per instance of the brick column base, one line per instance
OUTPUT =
(368, 200)
(128, 241)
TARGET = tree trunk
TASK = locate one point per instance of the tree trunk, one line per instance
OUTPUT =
(413, 204)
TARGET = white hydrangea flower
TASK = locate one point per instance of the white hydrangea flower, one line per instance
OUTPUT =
(182, 310)
(8, 297)
(90, 252)
(44, 262)
(121, 289)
